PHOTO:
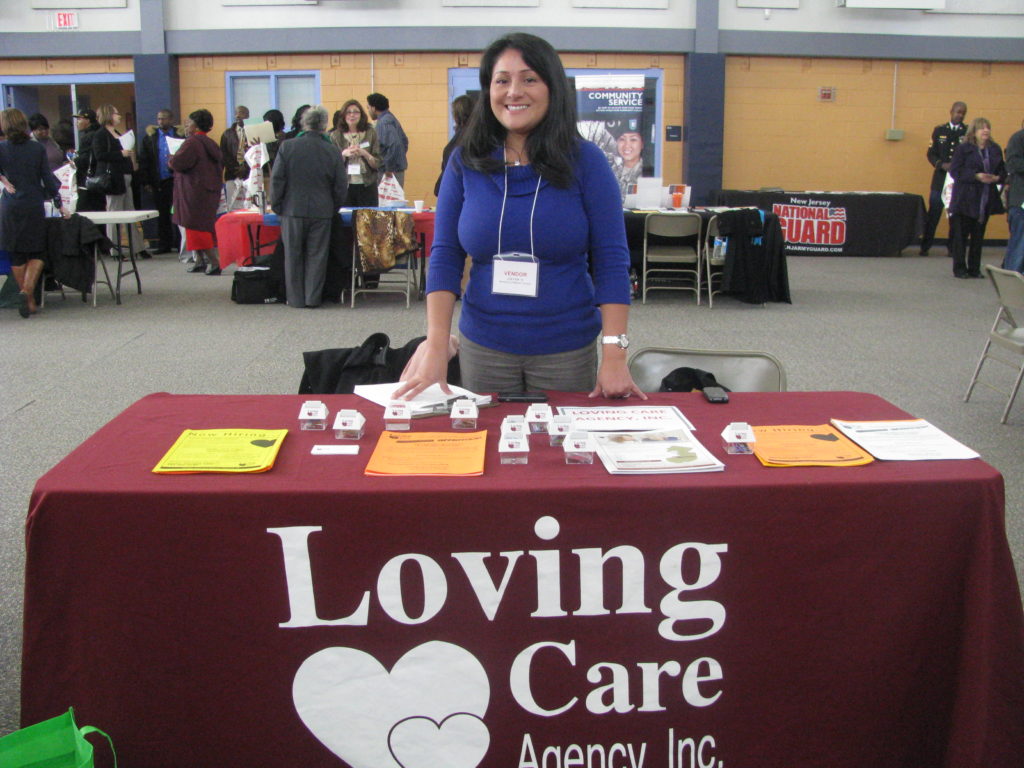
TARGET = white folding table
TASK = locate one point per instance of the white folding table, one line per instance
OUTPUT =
(117, 218)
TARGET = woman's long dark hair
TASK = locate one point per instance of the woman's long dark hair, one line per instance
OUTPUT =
(553, 144)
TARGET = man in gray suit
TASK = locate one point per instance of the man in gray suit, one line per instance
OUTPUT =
(309, 182)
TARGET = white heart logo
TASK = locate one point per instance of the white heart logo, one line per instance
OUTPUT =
(351, 703)
(458, 741)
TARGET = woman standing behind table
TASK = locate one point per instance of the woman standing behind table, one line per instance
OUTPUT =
(106, 147)
(524, 181)
(198, 168)
(360, 150)
(29, 182)
(977, 166)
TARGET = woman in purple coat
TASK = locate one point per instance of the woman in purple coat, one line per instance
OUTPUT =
(198, 177)
(977, 166)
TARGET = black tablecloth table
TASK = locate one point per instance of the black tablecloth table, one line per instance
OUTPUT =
(839, 223)
(754, 273)
(538, 615)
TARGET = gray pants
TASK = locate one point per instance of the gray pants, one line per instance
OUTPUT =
(123, 202)
(307, 245)
(487, 370)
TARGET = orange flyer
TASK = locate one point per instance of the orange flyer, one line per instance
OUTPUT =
(807, 446)
(428, 453)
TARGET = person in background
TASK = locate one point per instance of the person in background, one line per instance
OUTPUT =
(64, 134)
(309, 186)
(276, 119)
(628, 162)
(88, 127)
(106, 148)
(1014, 258)
(945, 139)
(462, 108)
(28, 183)
(360, 150)
(337, 121)
(40, 128)
(523, 181)
(976, 167)
(296, 123)
(198, 170)
(158, 176)
(233, 144)
(394, 144)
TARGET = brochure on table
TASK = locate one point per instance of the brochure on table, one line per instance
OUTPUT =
(428, 454)
(904, 440)
(801, 445)
(222, 450)
(653, 452)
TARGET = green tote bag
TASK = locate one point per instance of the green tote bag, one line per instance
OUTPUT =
(53, 743)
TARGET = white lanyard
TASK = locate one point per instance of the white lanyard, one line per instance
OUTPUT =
(533, 208)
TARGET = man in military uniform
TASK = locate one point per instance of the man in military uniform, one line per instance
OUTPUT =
(945, 139)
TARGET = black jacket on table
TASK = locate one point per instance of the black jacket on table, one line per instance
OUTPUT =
(69, 250)
(945, 139)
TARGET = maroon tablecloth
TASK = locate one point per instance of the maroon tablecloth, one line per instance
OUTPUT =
(540, 615)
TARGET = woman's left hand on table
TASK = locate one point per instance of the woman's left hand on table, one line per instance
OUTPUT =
(615, 382)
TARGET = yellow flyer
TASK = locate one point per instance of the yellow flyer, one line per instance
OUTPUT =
(807, 446)
(428, 453)
(222, 450)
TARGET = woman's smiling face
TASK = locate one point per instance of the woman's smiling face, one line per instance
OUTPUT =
(519, 98)
(630, 145)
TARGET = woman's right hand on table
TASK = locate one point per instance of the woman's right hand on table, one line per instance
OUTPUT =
(427, 366)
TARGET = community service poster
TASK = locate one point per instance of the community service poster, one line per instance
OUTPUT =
(616, 113)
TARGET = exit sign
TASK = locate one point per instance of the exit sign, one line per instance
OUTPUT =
(66, 20)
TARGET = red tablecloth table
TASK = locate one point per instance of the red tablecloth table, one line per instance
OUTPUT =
(233, 235)
(313, 616)
(233, 238)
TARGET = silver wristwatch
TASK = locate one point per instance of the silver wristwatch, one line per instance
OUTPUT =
(621, 341)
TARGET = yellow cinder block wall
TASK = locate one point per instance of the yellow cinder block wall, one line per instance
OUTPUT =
(416, 84)
(120, 65)
(777, 132)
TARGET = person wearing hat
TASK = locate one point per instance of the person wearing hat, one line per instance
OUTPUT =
(88, 127)
(628, 163)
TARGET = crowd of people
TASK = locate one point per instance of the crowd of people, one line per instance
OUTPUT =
(534, 205)
(191, 177)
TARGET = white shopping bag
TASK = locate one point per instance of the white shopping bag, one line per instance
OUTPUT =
(68, 188)
(947, 192)
(256, 157)
(390, 193)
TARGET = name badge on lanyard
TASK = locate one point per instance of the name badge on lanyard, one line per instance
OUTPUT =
(354, 169)
(515, 274)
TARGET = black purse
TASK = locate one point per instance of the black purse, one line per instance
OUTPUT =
(100, 179)
(103, 177)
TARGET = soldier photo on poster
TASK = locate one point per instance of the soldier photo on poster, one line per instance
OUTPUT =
(616, 113)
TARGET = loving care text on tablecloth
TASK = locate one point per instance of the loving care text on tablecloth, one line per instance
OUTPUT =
(432, 703)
